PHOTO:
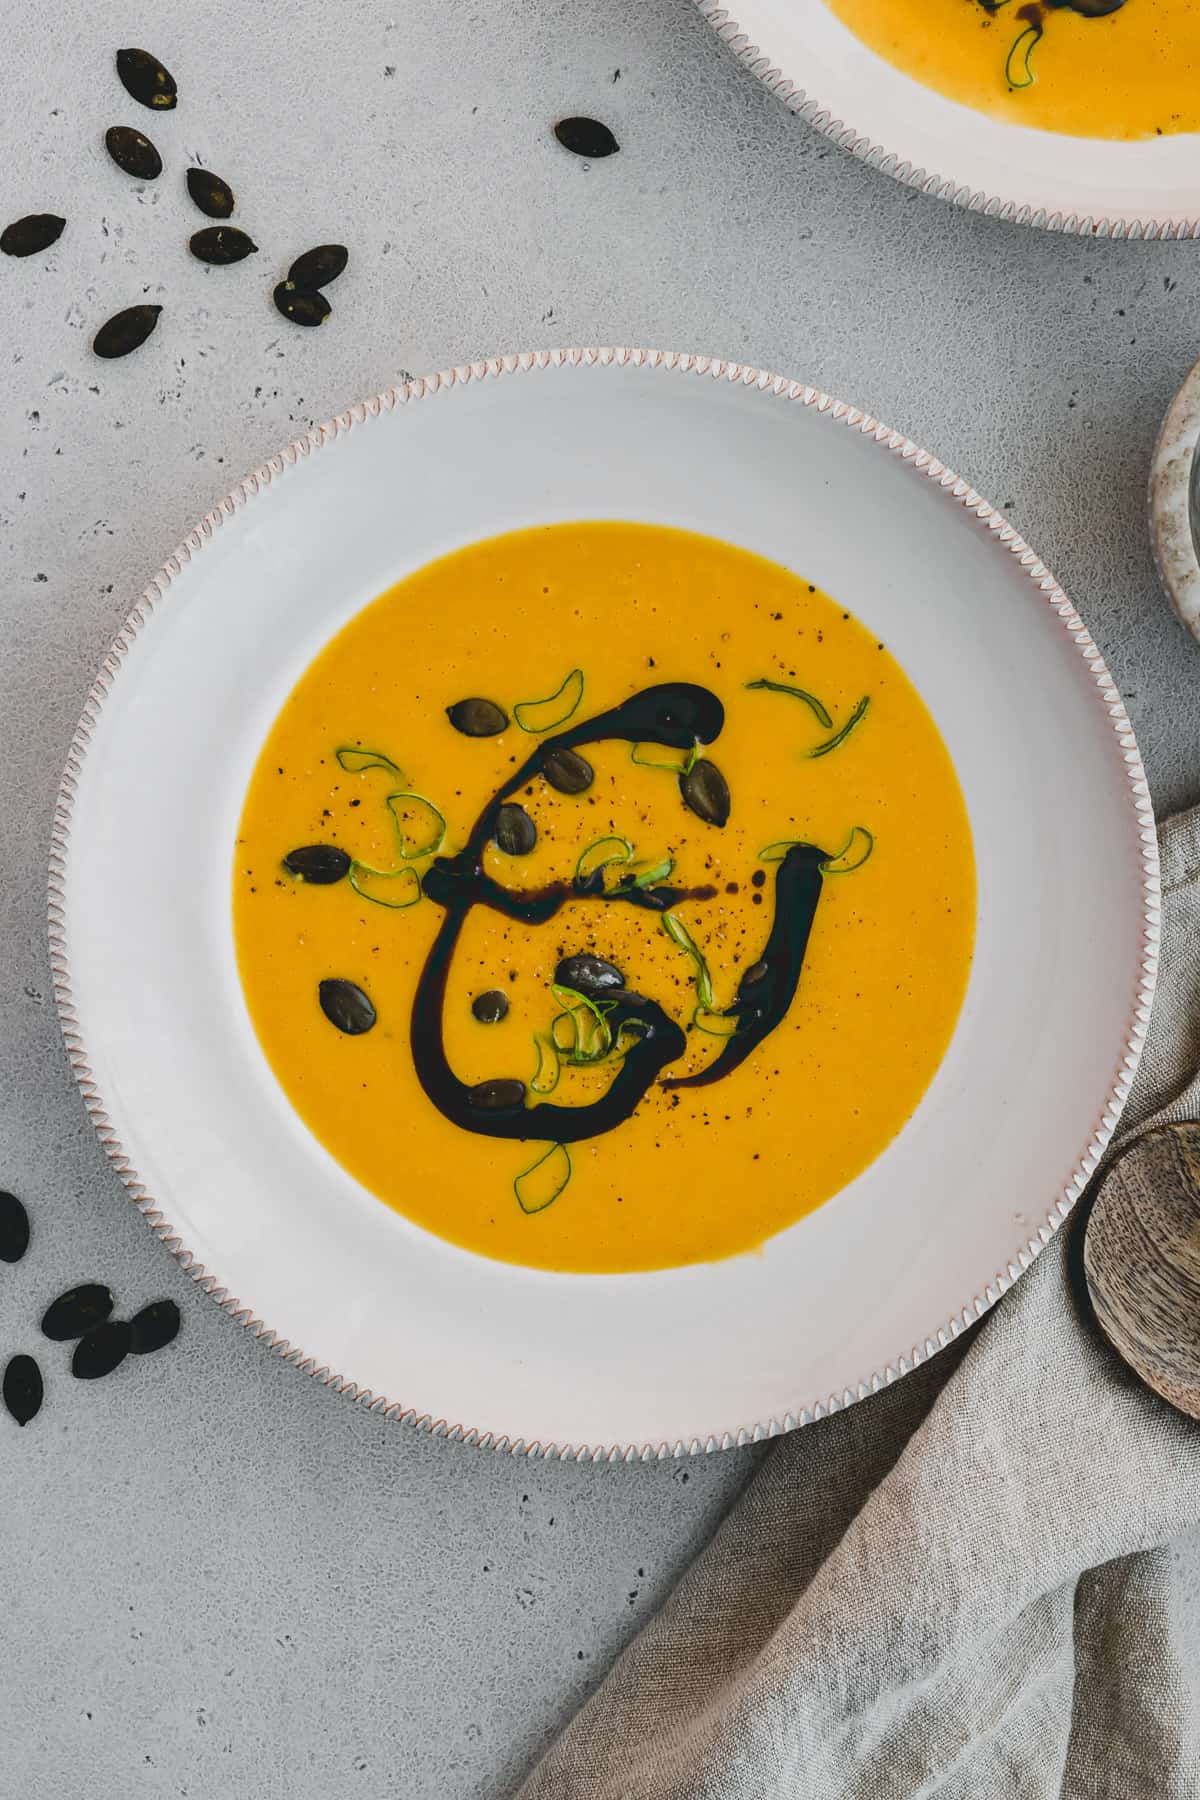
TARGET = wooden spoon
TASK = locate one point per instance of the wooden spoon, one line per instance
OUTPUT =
(1141, 1261)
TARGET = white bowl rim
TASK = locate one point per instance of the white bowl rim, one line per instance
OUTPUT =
(1135, 224)
(940, 1332)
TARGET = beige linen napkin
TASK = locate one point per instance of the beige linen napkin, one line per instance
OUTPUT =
(981, 1583)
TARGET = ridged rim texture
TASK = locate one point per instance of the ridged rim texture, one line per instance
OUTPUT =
(941, 1333)
(848, 138)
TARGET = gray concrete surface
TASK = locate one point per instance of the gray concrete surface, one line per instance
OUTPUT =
(218, 1579)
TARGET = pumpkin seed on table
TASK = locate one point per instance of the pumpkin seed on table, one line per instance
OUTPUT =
(300, 305)
(144, 77)
(14, 1228)
(125, 331)
(22, 1389)
(477, 718)
(317, 268)
(221, 245)
(586, 137)
(32, 234)
(705, 792)
(213, 196)
(567, 771)
(346, 1006)
(515, 833)
(156, 1326)
(318, 864)
(79, 1310)
(132, 151)
(102, 1349)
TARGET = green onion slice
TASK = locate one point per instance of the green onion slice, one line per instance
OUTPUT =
(714, 1024)
(600, 853)
(655, 872)
(394, 888)
(679, 934)
(776, 852)
(545, 1077)
(1017, 70)
(658, 756)
(421, 827)
(839, 737)
(817, 707)
(580, 1032)
(536, 716)
(356, 762)
(853, 853)
(539, 1186)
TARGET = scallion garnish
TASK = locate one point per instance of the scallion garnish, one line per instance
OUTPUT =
(714, 1024)
(819, 710)
(536, 716)
(679, 934)
(839, 737)
(658, 756)
(421, 827)
(394, 888)
(357, 762)
(590, 1037)
(853, 853)
(539, 1186)
(656, 872)
(1017, 70)
(600, 853)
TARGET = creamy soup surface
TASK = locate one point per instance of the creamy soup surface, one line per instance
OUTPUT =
(604, 898)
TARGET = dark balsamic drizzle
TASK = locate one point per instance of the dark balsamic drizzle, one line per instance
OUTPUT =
(768, 987)
(676, 715)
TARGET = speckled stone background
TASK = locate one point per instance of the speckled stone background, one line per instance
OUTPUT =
(217, 1578)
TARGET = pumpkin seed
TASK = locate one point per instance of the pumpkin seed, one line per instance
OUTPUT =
(143, 76)
(492, 1096)
(316, 268)
(567, 771)
(477, 718)
(491, 1007)
(132, 151)
(706, 792)
(300, 305)
(36, 231)
(78, 1310)
(319, 864)
(23, 1389)
(213, 196)
(586, 137)
(346, 1006)
(156, 1326)
(589, 974)
(14, 1228)
(125, 331)
(516, 833)
(102, 1349)
(221, 245)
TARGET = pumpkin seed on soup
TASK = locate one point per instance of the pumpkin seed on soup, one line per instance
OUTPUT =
(705, 792)
(477, 718)
(515, 833)
(346, 1006)
(491, 1007)
(132, 151)
(319, 864)
(567, 771)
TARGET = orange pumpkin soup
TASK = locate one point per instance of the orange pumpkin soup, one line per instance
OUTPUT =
(604, 898)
